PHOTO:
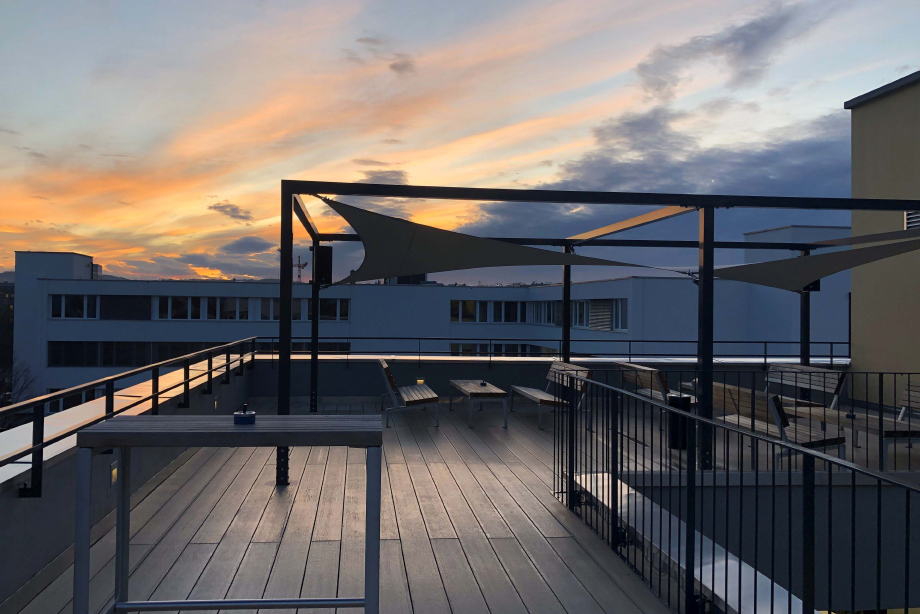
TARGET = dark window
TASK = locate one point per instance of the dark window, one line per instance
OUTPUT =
(343, 309)
(196, 307)
(511, 311)
(497, 312)
(124, 307)
(91, 306)
(212, 308)
(455, 311)
(276, 309)
(483, 311)
(328, 308)
(124, 354)
(73, 305)
(55, 305)
(295, 308)
(163, 310)
(522, 311)
(244, 308)
(73, 353)
(227, 308)
(179, 308)
(266, 309)
(469, 311)
(309, 308)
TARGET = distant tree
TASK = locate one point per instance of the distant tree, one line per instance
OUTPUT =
(16, 383)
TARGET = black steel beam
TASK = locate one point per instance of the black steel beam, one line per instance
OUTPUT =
(284, 323)
(313, 312)
(705, 346)
(805, 324)
(567, 308)
(620, 243)
(596, 198)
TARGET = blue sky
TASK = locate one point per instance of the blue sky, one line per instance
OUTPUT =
(153, 135)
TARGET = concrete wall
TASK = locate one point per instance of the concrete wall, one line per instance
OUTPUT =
(37, 534)
(886, 295)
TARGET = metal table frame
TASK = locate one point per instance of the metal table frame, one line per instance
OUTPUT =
(83, 521)
(486, 397)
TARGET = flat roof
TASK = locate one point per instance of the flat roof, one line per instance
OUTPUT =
(894, 86)
(754, 232)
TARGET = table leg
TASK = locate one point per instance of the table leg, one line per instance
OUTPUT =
(81, 534)
(122, 525)
(372, 532)
(450, 400)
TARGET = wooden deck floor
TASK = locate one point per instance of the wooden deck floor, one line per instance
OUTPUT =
(469, 524)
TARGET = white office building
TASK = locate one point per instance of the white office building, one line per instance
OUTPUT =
(73, 325)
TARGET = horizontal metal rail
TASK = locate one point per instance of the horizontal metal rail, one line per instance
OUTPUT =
(244, 348)
(236, 604)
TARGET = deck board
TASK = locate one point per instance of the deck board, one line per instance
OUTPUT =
(468, 524)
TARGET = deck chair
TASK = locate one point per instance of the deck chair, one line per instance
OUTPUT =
(404, 397)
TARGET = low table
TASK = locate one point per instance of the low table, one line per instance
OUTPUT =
(126, 432)
(474, 389)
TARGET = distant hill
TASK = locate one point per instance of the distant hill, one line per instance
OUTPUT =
(7, 276)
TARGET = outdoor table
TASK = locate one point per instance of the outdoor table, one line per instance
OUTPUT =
(474, 389)
(126, 432)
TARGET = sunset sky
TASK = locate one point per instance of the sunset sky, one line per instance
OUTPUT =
(154, 135)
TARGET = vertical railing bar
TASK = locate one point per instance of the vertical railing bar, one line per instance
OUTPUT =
(690, 522)
(155, 391)
(808, 533)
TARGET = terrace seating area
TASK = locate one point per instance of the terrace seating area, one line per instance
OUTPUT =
(469, 523)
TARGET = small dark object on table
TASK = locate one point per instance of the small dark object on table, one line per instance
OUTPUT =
(244, 417)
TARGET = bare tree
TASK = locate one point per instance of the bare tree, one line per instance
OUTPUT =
(16, 383)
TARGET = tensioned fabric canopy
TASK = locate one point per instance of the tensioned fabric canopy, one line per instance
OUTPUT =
(794, 274)
(395, 247)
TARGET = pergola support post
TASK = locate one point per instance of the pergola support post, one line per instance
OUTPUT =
(705, 331)
(284, 323)
(314, 334)
(567, 308)
(805, 323)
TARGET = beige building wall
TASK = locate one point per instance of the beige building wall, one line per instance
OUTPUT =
(885, 303)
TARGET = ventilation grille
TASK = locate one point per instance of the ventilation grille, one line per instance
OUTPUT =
(911, 220)
(600, 316)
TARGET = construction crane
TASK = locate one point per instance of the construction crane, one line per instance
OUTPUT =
(300, 267)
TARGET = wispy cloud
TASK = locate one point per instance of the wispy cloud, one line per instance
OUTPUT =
(247, 246)
(232, 211)
(745, 50)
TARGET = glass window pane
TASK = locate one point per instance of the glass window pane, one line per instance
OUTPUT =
(243, 308)
(266, 309)
(163, 309)
(73, 305)
(522, 311)
(511, 311)
(469, 311)
(108, 354)
(483, 311)
(309, 308)
(328, 308)
(91, 306)
(227, 308)
(276, 309)
(196, 307)
(343, 309)
(56, 305)
(179, 308)
(455, 311)
(497, 312)
(295, 309)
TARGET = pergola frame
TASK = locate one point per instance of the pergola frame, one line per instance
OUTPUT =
(706, 204)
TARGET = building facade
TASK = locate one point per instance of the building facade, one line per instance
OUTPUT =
(73, 326)
(886, 164)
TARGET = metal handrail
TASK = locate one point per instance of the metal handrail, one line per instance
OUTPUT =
(37, 404)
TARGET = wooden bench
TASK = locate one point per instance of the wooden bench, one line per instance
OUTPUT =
(557, 372)
(795, 377)
(404, 397)
(765, 414)
(646, 381)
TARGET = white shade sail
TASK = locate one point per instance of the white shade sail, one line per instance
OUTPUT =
(794, 274)
(395, 247)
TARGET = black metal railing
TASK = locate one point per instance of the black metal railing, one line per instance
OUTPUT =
(714, 517)
(877, 413)
(234, 355)
(759, 351)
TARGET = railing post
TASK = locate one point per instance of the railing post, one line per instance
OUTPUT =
(690, 602)
(155, 390)
(241, 348)
(187, 372)
(808, 533)
(226, 379)
(832, 354)
(34, 489)
(110, 397)
(208, 389)
(572, 498)
(765, 354)
(252, 357)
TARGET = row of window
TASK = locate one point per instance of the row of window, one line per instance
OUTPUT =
(499, 349)
(139, 307)
(596, 314)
